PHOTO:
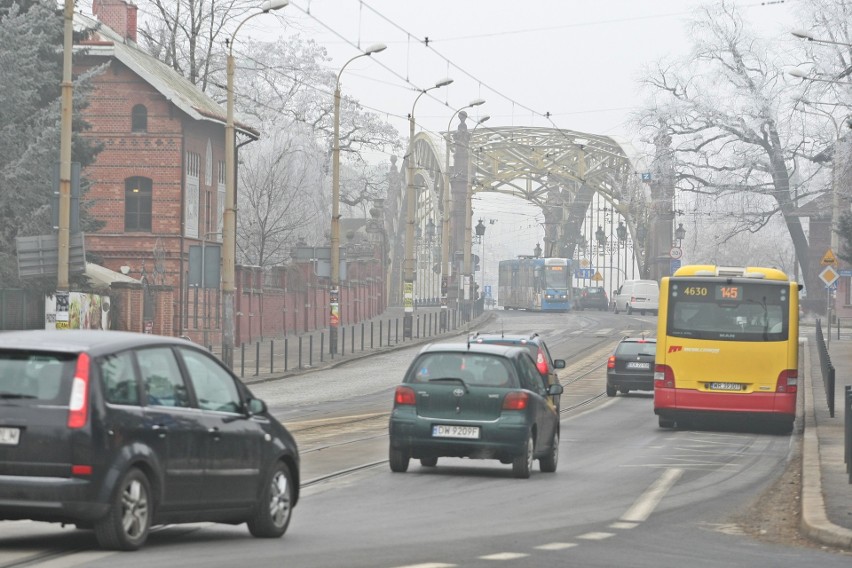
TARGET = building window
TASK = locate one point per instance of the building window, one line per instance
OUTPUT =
(139, 119)
(137, 204)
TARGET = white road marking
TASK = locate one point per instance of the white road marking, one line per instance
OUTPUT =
(596, 536)
(623, 525)
(429, 565)
(556, 546)
(648, 501)
(504, 556)
(77, 559)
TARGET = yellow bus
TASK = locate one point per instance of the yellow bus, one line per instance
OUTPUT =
(727, 346)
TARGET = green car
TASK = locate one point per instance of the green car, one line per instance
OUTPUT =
(475, 401)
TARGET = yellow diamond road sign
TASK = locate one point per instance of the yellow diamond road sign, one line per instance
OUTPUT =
(829, 259)
(829, 275)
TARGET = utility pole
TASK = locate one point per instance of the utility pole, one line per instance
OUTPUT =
(64, 237)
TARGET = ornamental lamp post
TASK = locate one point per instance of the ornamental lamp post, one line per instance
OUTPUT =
(621, 233)
(445, 225)
(537, 250)
(408, 264)
(680, 234)
(229, 217)
(334, 296)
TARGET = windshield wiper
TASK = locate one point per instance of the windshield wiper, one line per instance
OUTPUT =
(10, 395)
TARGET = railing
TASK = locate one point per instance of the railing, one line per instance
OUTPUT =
(847, 432)
(273, 356)
(826, 367)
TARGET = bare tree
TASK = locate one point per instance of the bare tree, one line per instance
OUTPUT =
(191, 35)
(733, 125)
(276, 180)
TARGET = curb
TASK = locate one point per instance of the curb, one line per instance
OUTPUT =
(814, 521)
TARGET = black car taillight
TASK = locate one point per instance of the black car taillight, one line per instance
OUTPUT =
(78, 405)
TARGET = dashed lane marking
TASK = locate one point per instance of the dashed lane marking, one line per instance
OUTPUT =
(504, 556)
(623, 525)
(556, 546)
(596, 536)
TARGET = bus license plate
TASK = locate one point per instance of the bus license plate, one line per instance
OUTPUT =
(726, 386)
(449, 431)
(9, 436)
(638, 365)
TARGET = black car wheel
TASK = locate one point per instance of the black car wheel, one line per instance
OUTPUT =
(428, 462)
(398, 460)
(275, 508)
(611, 391)
(548, 463)
(522, 464)
(126, 525)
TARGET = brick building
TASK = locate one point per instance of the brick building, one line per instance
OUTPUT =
(159, 183)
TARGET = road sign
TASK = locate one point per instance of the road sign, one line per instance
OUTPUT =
(676, 253)
(828, 259)
(646, 176)
(584, 273)
(675, 264)
(845, 272)
(829, 276)
(597, 277)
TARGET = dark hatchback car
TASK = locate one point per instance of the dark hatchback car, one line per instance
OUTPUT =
(631, 366)
(119, 431)
(474, 401)
(537, 348)
(593, 298)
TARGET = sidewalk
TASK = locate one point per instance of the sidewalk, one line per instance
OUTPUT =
(826, 491)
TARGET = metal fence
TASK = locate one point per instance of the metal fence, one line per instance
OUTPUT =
(826, 367)
(307, 350)
(847, 431)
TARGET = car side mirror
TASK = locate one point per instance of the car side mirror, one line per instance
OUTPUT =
(559, 363)
(255, 406)
(555, 389)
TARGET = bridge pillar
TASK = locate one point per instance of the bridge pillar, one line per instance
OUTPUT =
(459, 188)
(657, 258)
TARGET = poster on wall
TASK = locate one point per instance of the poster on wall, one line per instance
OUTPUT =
(76, 310)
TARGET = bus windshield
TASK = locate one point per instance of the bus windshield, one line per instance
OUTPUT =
(725, 310)
(556, 277)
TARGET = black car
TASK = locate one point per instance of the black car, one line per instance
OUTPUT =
(119, 431)
(631, 366)
(592, 298)
(537, 348)
(474, 401)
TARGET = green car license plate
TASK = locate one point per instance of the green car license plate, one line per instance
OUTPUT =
(451, 431)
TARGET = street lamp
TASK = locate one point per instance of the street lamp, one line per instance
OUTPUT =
(334, 295)
(229, 218)
(480, 237)
(600, 236)
(680, 233)
(408, 265)
(537, 250)
(621, 233)
(445, 227)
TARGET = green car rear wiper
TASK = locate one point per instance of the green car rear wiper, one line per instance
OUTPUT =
(450, 380)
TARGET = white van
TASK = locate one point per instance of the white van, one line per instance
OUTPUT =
(637, 296)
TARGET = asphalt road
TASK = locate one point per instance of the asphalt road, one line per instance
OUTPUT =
(626, 493)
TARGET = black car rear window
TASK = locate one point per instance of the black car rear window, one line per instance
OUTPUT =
(636, 348)
(594, 291)
(35, 376)
(473, 368)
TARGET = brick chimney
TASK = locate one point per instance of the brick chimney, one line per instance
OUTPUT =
(119, 15)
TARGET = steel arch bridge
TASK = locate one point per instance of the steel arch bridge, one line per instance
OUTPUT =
(559, 170)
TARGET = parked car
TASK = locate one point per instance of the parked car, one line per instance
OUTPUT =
(537, 348)
(593, 298)
(121, 431)
(474, 401)
(637, 296)
(631, 366)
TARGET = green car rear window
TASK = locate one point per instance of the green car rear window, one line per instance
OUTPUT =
(473, 368)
